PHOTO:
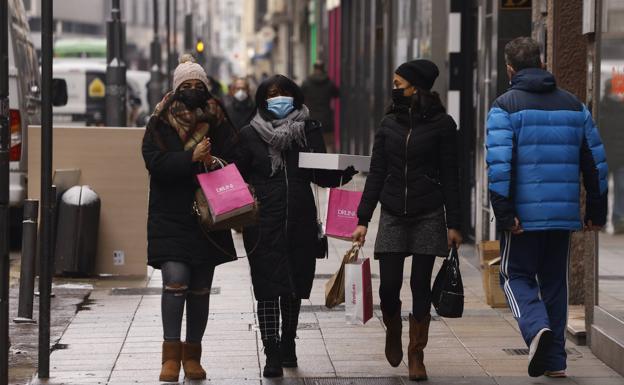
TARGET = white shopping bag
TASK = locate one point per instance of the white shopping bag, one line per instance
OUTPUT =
(358, 292)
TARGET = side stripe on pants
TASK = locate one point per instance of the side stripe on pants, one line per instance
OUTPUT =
(513, 304)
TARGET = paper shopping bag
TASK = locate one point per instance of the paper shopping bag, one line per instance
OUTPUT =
(226, 192)
(359, 292)
(334, 288)
(342, 213)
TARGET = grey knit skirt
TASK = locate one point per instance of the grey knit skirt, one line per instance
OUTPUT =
(424, 234)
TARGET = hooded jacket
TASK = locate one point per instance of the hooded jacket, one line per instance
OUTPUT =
(539, 139)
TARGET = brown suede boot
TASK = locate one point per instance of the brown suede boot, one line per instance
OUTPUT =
(419, 335)
(191, 360)
(394, 328)
(171, 357)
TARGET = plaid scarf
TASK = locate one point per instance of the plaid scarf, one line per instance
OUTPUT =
(191, 126)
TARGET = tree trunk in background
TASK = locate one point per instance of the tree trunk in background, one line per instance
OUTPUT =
(567, 59)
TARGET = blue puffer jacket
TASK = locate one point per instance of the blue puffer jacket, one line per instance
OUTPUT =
(540, 139)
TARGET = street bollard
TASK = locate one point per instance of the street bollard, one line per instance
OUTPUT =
(27, 269)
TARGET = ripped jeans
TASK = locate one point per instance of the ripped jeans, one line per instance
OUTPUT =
(190, 285)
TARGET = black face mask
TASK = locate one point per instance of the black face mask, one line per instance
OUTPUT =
(193, 98)
(399, 98)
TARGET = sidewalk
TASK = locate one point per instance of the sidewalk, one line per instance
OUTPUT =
(118, 340)
(24, 336)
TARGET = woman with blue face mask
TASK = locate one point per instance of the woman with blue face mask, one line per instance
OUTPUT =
(283, 245)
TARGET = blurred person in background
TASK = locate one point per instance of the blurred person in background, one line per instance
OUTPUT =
(215, 88)
(318, 92)
(611, 118)
(239, 104)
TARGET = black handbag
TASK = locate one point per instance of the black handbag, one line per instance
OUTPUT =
(448, 289)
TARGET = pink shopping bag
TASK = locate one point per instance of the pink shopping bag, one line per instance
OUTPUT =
(358, 292)
(342, 213)
(226, 192)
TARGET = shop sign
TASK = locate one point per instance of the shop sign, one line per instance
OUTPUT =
(617, 82)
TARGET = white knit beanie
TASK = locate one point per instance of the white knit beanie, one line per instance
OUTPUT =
(188, 69)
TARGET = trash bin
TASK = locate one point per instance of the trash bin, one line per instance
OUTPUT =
(77, 232)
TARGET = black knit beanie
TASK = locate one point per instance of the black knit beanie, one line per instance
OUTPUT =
(420, 73)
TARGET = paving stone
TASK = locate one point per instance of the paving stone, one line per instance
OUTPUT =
(121, 337)
(455, 381)
(525, 380)
(598, 381)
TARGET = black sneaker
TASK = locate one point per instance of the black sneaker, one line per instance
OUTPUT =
(538, 351)
(273, 367)
(288, 353)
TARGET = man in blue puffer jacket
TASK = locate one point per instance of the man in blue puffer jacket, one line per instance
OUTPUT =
(540, 138)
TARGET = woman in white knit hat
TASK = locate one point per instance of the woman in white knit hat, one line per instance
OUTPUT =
(183, 134)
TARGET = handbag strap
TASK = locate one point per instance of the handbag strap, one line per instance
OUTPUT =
(316, 199)
(454, 255)
(355, 182)
(221, 249)
(217, 160)
(356, 250)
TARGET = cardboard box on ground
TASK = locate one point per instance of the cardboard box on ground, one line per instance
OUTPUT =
(489, 258)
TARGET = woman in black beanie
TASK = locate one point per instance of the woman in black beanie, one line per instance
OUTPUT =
(414, 174)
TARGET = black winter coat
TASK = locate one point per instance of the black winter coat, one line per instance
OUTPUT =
(318, 92)
(414, 168)
(240, 113)
(282, 247)
(173, 232)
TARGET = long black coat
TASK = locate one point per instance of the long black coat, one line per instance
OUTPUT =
(173, 232)
(282, 247)
(318, 92)
(414, 168)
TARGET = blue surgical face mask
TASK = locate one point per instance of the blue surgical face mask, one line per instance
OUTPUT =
(280, 106)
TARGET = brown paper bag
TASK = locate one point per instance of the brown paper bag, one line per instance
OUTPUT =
(334, 288)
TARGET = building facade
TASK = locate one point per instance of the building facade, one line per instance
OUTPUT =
(363, 41)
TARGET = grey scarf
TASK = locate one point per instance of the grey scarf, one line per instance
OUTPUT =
(280, 134)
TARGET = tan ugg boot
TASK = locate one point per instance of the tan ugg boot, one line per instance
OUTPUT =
(191, 361)
(171, 357)
(394, 328)
(419, 335)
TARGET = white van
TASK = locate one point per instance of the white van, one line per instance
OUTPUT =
(86, 91)
(24, 103)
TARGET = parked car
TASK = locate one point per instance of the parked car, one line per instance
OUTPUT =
(24, 106)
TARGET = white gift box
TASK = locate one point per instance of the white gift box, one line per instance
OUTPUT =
(334, 161)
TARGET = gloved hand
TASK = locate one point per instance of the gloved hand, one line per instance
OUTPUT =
(349, 172)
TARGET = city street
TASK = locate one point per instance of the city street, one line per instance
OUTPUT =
(117, 340)
(143, 142)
